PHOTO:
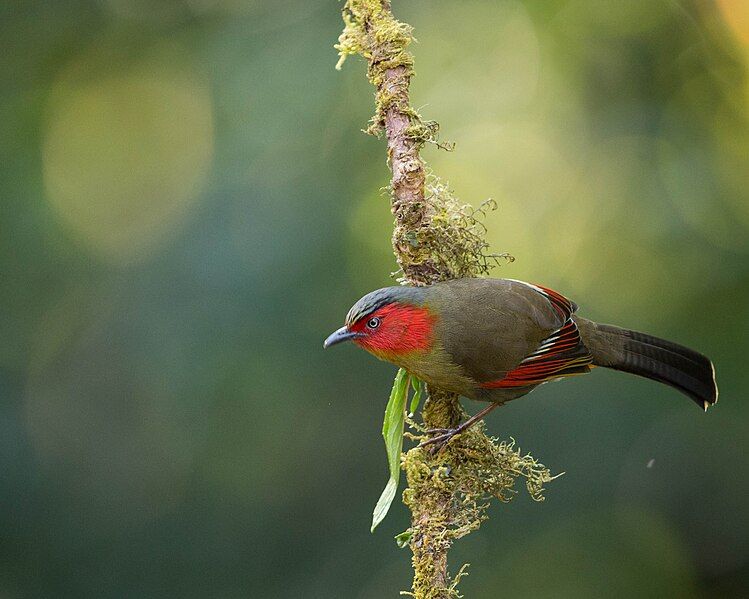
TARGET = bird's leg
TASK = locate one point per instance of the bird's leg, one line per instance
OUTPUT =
(445, 434)
(467, 424)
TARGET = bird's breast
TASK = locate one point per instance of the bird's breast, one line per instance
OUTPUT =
(434, 367)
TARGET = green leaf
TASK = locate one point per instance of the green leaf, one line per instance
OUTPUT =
(384, 502)
(416, 399)
(392, 433)
(392, 426)
(403, 539)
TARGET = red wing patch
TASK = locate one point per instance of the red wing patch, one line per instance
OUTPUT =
(561, 304)
(561, 354)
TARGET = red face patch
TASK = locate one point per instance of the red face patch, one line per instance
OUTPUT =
(401, 329)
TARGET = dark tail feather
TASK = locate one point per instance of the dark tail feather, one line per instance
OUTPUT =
(664, 361)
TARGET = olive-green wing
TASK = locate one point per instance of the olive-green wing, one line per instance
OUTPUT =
(507, 333)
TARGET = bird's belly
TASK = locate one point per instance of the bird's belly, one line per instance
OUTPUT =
(435, 368)
(502, 395)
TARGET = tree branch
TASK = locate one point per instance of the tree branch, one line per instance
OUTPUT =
(435, 238)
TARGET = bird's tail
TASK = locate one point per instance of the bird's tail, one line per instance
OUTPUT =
(664, 361)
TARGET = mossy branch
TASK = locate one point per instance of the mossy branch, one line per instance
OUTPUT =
(435, 238)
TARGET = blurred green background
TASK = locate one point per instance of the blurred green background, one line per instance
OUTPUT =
(189, 208)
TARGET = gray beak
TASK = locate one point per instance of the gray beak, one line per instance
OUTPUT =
(341, 335)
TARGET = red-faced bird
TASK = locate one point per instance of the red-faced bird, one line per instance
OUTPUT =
(495, 340)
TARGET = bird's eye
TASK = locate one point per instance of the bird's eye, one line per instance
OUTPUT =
(373, 322)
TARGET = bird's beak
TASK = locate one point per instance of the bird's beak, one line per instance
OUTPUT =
(341, 335)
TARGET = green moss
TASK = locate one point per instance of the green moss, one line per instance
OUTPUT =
(444, 239)
(449, 492)
(371, 31)
(451, 238)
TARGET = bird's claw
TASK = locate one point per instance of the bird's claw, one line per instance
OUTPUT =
(439, 441)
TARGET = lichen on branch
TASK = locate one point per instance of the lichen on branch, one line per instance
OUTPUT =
(372, 32)
(450, 491)
(471, 474)
(435, 238)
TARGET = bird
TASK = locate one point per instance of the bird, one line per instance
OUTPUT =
(495, 340)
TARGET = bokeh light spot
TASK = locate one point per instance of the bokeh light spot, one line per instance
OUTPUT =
(127, 150)
(686, 178)
(503, 82)
(736, 15)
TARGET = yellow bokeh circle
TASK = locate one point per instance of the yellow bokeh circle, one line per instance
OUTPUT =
(127, 150)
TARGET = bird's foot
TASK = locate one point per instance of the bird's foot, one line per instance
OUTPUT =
(443, 435)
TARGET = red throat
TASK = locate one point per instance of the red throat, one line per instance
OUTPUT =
(404, 329)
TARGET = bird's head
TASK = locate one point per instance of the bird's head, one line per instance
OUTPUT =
(389, 322)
